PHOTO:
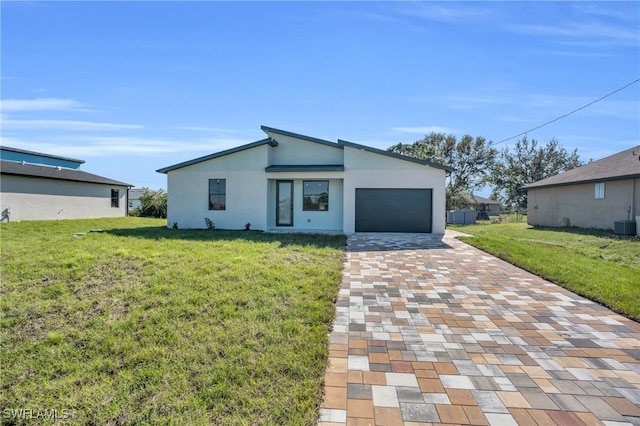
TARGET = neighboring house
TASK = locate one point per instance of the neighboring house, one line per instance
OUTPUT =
(37, 186)
(484, 207)
(595, 195)
(294, 182)
(134, 197)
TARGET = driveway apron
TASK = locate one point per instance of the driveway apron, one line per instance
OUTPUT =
(429, 330)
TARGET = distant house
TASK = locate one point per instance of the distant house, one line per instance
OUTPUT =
(134, 197)
(38, 186)
(484, 207)
(591, 196)
(293, 182)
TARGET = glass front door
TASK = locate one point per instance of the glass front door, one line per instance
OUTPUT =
(284, 197)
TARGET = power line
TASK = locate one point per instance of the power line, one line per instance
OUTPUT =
(569, 113)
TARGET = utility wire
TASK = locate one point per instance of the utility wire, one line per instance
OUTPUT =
(569, 113)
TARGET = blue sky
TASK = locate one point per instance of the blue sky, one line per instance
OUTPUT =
(131, 87)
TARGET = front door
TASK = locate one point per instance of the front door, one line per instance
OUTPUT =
(284, 198)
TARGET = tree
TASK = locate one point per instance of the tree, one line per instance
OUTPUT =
(153, 203)
(527, 164)
(471, 158)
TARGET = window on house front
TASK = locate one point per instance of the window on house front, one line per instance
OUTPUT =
(217, 194)
(315, 195)
(115, 198)
(599, 190)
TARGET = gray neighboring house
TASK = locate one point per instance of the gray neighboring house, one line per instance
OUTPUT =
(595, 195)
(484, 207)
(134, 197)
(38, 186)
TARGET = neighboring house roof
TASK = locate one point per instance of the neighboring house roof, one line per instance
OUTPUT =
(31, 170)
(623, 165)
(40, 154)
(135, 194)
(268, 141)
(480, 200)
(288, 168)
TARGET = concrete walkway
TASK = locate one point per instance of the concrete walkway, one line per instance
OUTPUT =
(429, 330)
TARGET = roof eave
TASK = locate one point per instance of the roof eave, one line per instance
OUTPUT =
(268, 130)
(580, 182)
(394, 155)
(267, 141)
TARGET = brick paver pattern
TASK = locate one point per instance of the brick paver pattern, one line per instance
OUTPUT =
(429, 330)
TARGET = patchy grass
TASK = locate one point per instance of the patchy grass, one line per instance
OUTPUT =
(594, 264)
(144, 324)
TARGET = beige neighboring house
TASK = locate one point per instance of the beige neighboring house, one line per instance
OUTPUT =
(595, 195)
(38, 186)
(293, 182)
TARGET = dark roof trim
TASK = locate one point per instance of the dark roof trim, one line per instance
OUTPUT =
(266, 141)
(394, 155)
(581, 182)
(306, 168)
(40, 154)
(48, 172)
(299, 136)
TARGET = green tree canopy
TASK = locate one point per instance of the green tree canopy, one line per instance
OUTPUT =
(471, 158)
(528, 163)
(153, 203)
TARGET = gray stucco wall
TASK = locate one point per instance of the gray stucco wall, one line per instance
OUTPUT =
(45, 199)
(576, 205)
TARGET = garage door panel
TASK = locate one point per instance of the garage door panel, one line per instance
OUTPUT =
(393, 210)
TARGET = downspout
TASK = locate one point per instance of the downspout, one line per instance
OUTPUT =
(126, 202)
(633, 199)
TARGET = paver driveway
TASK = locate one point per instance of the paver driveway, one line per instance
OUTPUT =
(431, 330)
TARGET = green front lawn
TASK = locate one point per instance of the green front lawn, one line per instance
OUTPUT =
(594, 264)
(144, 324)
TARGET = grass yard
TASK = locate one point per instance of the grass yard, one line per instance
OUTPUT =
(144, 324)
(591, 263)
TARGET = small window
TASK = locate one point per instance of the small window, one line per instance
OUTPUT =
(599, 190)
(115, 198)
(217, 194)
(315, 196)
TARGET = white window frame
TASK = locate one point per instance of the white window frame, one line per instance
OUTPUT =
(599, 190)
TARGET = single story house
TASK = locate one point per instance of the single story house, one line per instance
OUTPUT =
(595, 195)
(484, 207)
(293, 182)
(38, 186)
(134, 197)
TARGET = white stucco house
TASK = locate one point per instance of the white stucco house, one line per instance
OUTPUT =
(39, 186)
(293, 182)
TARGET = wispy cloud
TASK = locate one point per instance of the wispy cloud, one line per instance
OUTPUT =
(449, 12)
(71, 125)
(208, 129)
(39, 104)
(588, 33)
(101, 146)
(424, 130)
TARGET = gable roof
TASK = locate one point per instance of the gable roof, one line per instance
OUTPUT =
(623, 165)
(47, 172)
(272, 142)
(267, 141)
